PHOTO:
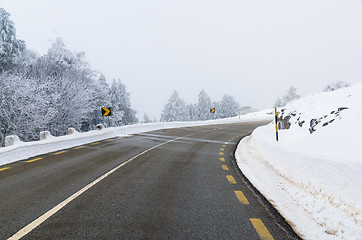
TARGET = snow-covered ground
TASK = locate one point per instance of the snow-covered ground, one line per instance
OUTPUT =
(23, 150)
(313, 179)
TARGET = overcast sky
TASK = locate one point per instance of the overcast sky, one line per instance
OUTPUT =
(252, 50)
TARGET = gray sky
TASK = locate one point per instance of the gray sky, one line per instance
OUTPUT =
(252, 50)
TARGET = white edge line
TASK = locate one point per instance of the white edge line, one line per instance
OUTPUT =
(28, 228)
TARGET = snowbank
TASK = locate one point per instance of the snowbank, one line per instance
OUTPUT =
(23, 150)
(313, 179)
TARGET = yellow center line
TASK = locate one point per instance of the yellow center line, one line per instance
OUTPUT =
(221, 153)
(222, 159)
(222, 149)
(5, 168)
(242, 199)
(109, 140)
(260, 228)
(95, 143)
(223, 145)
(79, 147)
(231, 179)
(57, 153)
(225, 167)
(34, 160)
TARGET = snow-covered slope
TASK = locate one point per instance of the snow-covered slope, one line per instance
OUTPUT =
(23, 150)
(313, 179)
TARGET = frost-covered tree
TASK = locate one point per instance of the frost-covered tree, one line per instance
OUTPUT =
(146, 118)
(10, 46)
(228, 107)
(174, 110)
(203, 106)
(121, 105)
(290, 96)
(191, 112)
(336, 85)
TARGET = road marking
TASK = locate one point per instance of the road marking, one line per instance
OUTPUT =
(222, 149)
(223, 145)
(95, 143)
(242, 199)
(57, 153)
(231, 179)
(221, 153)
(34, 160)
(260, 228)
(109, 140)
(79, 147)
(28, 228)
(225, 167)
(5, 168)
(222, 159)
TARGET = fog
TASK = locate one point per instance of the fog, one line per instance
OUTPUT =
(252, 50)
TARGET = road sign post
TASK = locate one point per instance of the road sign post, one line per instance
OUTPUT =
(107, 112)
(276, 125)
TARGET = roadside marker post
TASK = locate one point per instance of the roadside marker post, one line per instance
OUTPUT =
(276, 125)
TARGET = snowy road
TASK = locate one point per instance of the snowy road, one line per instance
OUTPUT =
(167, 184)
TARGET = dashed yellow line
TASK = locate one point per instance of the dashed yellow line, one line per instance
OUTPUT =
(231, 179)
(57, 153)
(5, 168)
(260, 228)
(225, 167)
(109, 140)
(222, 149)
(222, 159)
(221, 153)
(34, 160)
(241, 197)
(223, 145)
(95, 143)
(79, 147)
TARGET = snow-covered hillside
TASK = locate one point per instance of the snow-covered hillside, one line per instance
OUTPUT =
(313, 175)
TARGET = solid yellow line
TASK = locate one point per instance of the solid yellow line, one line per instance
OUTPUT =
(79, 147)
(222, 159)
(5, 168)
(95, 143)
(225, 167)
(231, 179)
(260, 228)
(33, 160)
(222, 149)
(221, 153)
(242, 199)
(57, 153)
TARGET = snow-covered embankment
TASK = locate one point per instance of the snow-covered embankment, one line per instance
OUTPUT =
(313, 179)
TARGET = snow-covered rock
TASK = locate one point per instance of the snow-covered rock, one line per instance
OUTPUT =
(71, 131)
(12, 140)
(45, 135)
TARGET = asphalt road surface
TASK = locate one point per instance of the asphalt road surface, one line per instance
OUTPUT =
(167, 184)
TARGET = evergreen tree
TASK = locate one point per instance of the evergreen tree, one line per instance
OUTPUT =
(228, 107)
(121, 105)
(146, 118)
(174, 110)
(10, 46)
(203, 106)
